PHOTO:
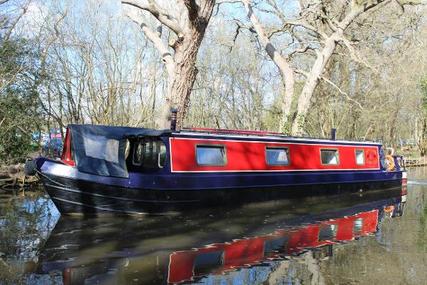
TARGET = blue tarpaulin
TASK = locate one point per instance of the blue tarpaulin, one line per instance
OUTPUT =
(100, 150)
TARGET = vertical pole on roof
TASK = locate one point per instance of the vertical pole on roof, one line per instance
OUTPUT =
(333, 134)
(174, 113)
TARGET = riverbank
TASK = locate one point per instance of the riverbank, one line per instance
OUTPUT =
(415, 161)
(13, 177)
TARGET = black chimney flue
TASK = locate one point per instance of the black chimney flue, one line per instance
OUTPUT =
(173, 118)
(333, 134)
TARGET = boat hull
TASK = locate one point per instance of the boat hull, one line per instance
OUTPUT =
(75, 192)
(83, 197)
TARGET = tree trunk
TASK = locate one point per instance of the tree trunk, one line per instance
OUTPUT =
(286, 71)
(392, 131)
(182, 76)
(183, 80)
(288, 79)
(322, 59)
(311, 83)
(420, 137)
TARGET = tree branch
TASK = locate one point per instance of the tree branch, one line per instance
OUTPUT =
(354, 54)
(192, 8)
(342, 92)
(156, 40)
(272, 52)
(15, 22)
(238, 28)
(286, 70)
(301, 50)
(159, 13)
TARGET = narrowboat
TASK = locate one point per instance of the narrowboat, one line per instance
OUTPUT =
(137, 170)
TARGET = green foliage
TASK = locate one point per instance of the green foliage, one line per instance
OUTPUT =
(19, 113)
(15, 141)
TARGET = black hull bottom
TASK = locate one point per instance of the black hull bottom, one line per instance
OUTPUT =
(80, 197)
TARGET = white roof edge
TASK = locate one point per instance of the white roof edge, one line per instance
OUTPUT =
(189, 133)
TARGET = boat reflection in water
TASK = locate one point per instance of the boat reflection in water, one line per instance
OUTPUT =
(240, 245)
(218, 258)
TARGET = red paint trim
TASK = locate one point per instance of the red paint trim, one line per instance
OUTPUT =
(67, 156)
(250, 156)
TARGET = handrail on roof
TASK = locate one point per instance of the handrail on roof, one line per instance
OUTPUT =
(259, 133)
(236, 132)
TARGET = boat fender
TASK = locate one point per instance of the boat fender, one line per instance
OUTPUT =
(390, 163)
(30, 168)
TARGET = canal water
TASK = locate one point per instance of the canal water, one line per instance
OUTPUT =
(359, 239)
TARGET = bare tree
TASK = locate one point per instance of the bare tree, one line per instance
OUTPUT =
(229, 91)
(95, 72)
(187, 21)
(374, 103)
(320, 27)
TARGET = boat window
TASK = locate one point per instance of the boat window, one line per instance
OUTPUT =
(137, 154)
(100, 147)
(357, 226)
(275, 245)
(148, 150)
(150, 153)
(360, 156)
(127, 149)
(277, 156)
(162, 155)
(329, 156)
(210, 155)
(327, 232)
(208, 261)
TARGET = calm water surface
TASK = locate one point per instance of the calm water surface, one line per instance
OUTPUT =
(361, 240)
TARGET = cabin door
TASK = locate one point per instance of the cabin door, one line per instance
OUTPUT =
(149, 153)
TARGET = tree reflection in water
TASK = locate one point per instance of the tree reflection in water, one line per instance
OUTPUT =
(25, 224)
